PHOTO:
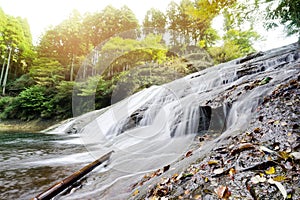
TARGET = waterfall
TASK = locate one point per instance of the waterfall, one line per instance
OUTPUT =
(156, 126)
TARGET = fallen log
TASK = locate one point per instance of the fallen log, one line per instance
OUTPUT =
(67, 182)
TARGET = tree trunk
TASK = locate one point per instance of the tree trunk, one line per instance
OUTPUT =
(6, 72)
(2, 71)
(72, 68)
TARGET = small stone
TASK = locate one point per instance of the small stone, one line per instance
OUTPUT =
(218, 171)
(296, 155)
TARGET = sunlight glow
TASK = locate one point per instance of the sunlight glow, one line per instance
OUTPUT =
(42, 14)
(46, 13)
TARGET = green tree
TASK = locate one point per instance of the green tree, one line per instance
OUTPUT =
(243, 39)
(64, 43)
(32, 102)
(12, 36)
(46, 72)
(3, 21)
(62, 100)
(102, 25)
(71, 43)
(286, 12)
(156, 20)
(15, 48)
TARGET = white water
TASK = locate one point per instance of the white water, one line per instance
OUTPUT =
(156, 126)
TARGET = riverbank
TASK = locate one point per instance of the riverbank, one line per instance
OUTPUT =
(26, 126)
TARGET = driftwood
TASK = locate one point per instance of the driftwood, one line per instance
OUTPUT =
(67, 182)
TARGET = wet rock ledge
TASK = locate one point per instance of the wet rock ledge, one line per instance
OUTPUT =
(262, 162)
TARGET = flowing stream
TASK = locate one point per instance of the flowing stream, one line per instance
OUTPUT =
(31, 162)
(148, 130)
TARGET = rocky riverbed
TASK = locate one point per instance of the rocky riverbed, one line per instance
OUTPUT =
(262, 162)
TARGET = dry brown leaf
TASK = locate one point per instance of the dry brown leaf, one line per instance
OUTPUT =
(189, 153)
(232, 172)
(222, 192)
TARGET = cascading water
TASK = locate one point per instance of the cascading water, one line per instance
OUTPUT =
(156, 126)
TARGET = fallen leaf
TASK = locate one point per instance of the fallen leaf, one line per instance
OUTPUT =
(271, 170)
(197, 197)
(222, 192)
(189, 153)
(279, 178)
(136, 192)
(242, 147)
(232, 172)
(212, 162)
(256, 130)
(284, 155)
(279, 186)
(187, 175)
(186, 192)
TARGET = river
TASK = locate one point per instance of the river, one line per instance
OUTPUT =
(31, 162)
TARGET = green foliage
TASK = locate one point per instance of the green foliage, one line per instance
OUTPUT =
(243, 39)
(4, 104)
(156, 20)
(17, 86)
(141, 77)
(236, 44)
(8, 108)
(287, 12)
(100, 26)
(128, 53)
(228, 51)
(46, 72)
(15, 48)
(32, 102)
(62, 100)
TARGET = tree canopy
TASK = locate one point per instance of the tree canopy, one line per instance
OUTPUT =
(107, 47)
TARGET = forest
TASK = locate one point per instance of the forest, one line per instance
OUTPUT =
(39, 81)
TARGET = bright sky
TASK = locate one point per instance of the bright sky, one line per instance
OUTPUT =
(43, 13)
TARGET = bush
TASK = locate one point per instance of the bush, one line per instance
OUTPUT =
(34, 102)
(62, 100)
(5, 106)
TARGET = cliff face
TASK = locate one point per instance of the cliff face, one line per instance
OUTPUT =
(231, 130)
